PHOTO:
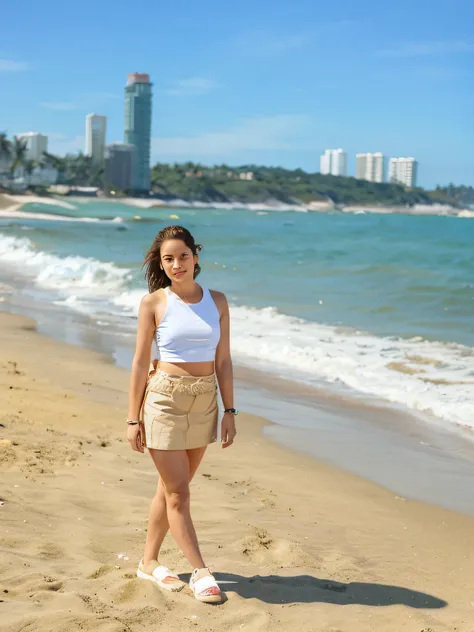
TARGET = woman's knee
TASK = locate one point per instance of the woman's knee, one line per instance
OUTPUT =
(177, 497)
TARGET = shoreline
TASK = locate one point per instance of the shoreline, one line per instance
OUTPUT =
(290, 540)
(362, 435)
(15, 211)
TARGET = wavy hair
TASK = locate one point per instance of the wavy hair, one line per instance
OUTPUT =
(155, 276)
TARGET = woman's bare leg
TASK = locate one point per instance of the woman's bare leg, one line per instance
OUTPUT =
(158, 524)
(173, 467)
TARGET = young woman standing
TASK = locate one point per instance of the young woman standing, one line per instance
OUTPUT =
(173, 403)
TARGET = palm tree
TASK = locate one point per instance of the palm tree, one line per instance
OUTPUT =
(18, 154)
(5, 145)
(5, 152)
(29, 166)
(50, 160)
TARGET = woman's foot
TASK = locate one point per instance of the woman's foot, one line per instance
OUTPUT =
(160, 575)
(204, 586)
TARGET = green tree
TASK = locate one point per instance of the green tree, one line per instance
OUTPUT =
(18, 155)
(29, 167)
(5, 152)
(5, 146)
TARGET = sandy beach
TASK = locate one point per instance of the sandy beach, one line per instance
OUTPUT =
(295, 543)
(11, 206)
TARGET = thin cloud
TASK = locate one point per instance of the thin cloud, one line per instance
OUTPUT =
(429, 48)
(60, 106)
(9, 65)
(277, 132)
(192, 86)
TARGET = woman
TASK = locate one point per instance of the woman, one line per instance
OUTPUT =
(173, 407)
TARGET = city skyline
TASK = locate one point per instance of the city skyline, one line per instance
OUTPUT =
(260, 91)
(369, 166)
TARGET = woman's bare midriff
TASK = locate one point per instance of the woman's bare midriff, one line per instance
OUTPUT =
(194, 369)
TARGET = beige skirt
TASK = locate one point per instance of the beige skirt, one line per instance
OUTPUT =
(179, 412)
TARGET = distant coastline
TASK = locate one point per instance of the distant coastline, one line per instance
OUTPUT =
(12, 206)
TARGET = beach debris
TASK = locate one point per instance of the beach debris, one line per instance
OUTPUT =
(4, 443)
(122, 556)
(1, 503)
(14, 370)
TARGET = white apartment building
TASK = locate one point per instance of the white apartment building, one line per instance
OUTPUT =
(96, 127)
(334, 162)
(370, 167)
(403, 171)
(36, 145)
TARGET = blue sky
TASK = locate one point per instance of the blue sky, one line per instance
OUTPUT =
(268, 81)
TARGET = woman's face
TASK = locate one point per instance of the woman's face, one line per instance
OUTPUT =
(178, 260)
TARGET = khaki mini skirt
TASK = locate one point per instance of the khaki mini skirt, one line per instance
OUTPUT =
(179, 412)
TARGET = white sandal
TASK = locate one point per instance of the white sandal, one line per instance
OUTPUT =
(157, 574)
(201, 581)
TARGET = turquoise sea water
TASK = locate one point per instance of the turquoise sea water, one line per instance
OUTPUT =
(376, 304)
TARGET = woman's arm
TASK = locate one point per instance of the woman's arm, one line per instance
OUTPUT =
(224, 370)
(141, 359)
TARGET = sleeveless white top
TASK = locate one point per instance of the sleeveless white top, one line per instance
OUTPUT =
(188, 332)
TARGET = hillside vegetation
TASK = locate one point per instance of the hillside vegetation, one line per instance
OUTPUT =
(223, 183)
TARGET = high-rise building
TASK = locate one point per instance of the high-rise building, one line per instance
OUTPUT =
(137, 127)
(119, 164)
(36, 145)
(334, 162)
(325, 163)
(403, 171)
(370, 167)
(96, 128)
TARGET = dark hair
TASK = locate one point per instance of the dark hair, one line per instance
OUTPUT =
(155, 276)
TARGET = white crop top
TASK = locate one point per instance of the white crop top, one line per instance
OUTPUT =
(188, 332)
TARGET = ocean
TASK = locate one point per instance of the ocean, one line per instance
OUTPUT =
(372, 306)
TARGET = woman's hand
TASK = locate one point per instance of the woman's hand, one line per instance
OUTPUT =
(136, 437)
(228, 430)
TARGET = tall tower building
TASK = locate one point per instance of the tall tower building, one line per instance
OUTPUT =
(370, 167)
(36, 145)
(96, 129)
(403, 171)
(137, 127)
(334, 162)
